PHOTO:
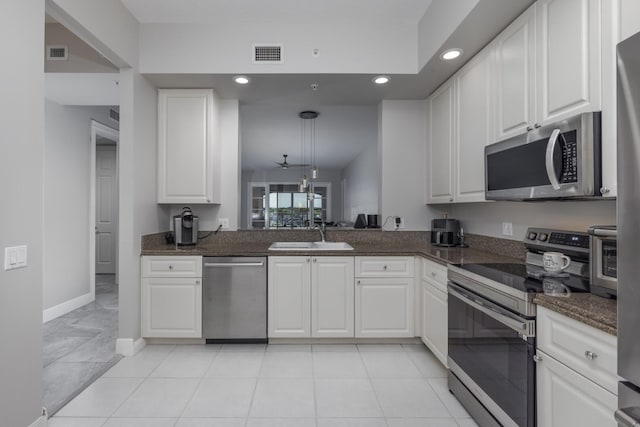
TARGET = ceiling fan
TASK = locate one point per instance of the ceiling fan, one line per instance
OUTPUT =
(285, 165)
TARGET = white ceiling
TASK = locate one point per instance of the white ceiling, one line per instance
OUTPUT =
(247, 11)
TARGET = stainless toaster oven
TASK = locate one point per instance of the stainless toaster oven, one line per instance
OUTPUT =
(603, 260)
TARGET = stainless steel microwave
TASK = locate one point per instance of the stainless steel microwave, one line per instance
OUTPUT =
(560, 160)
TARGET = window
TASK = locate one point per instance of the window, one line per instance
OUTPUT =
(283, 206)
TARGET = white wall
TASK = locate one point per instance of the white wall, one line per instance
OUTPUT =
(226, 47)
(487, 218)
(81, 57)
(402, 158)
(67, 163)
(21, 159)
(362, 185)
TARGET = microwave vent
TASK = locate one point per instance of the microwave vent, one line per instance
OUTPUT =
(57, 52)
(267, 54)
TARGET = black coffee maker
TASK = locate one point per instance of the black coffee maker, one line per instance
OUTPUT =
(185, 227)
(445, 232)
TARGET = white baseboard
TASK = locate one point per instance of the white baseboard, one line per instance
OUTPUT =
(67, 306)
(129, 347)
(40, 422)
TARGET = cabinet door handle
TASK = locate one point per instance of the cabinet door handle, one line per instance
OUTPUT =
(197, 282)
(170, 267)
(590, 355)
(529, 128)
(358, 282)
(315, 260)
(537, 358)
(433, 274)
(537, 125)
(384, 267)
(604, 190)
(308, 259)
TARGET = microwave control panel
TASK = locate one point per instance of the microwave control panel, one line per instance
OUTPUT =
(569, 158)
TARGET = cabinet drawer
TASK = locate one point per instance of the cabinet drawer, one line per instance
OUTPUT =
(585, 349)
(384, 266)
(165, 266)
(434, 272)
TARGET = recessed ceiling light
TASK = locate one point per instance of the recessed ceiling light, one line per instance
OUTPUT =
(241, 80)
(451, 54)
(381, 80)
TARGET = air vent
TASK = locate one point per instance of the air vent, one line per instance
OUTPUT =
(57, 52)
(114, 114)
(267, 54)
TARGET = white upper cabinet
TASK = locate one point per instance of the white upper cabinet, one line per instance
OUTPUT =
(473, 128)
(440, 128)
(514, 58)
(188, 144)
(548, 65)
(568, 58)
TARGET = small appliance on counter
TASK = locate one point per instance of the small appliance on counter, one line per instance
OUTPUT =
(361, 221)
(373, 221)
(445, 232)
(185, 228)
(603, 259)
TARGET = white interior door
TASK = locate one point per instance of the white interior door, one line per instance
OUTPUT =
(106, 209)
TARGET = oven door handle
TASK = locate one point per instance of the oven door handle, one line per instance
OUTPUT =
(522, 326)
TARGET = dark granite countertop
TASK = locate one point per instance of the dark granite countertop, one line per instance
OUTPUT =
(587, 308)
(155, 245)
(601, 313)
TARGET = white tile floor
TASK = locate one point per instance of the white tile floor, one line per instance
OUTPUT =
(270, 386)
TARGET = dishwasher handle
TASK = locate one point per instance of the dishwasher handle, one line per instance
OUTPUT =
(233, 264)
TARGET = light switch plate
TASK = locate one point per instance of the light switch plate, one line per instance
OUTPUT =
(507, 228)
(15, 257)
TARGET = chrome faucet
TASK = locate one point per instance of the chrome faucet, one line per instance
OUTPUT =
(322, 228)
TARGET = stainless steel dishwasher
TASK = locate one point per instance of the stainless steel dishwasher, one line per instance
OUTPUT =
(234, 299)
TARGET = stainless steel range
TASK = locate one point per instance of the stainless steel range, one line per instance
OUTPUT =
(492, 326)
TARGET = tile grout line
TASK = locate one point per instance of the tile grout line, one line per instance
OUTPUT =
(373, 389)
(255, 388)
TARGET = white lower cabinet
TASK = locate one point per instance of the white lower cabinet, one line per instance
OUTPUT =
(566, 398)
(332, 297)
(310, 297)
(171, 297)
(384, 304)
(434, 320)
(576, 373)
(434, 309)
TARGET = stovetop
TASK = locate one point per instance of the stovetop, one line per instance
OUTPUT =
(513, 285)
(527, 278)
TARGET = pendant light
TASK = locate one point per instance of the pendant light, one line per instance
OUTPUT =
(308, 128)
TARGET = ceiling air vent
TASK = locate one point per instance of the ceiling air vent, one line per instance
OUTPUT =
(57, 52)
(267, 54)
(114, 114)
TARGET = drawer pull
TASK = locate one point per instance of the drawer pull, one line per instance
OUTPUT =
(170, 267)
(384, 268)
(537, 358)
(590, 355)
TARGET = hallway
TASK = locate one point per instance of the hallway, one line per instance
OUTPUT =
(80, 346)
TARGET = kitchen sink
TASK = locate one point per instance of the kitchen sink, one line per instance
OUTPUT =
(310, 246)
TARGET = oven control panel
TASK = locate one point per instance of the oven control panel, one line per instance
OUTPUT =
(542, 240)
